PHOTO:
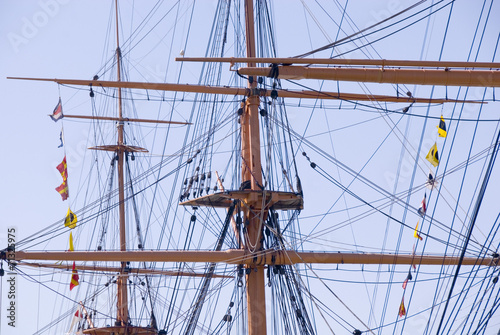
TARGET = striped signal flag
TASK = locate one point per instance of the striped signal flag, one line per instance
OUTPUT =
(423, 207)
(57, 114)
(63, 190)
(63, 169)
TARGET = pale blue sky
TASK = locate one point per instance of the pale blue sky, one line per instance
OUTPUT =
(66, 39)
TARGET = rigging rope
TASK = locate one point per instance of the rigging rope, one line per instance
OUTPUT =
(328, 46)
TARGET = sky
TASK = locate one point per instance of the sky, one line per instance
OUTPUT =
(68, 39)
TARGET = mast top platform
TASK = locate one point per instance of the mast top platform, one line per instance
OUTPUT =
(257, 199)
(121, 330)
(119, 147)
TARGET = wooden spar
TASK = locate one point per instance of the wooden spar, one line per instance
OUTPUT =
(122, 317)
(126, 119)
(341, 61)
(445, 77)
(115, 269)
(304, 94)
(251, 172)
(241, 256)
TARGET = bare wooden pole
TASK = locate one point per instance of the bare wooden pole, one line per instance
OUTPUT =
(241, 256)
(445, 77)
(342, 61)
(303, 94)
(107, 118)
(116, 269)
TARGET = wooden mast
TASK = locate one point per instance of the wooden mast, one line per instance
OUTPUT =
(122, 316)
(251, 173)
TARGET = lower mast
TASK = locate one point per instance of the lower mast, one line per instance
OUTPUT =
(251, 173)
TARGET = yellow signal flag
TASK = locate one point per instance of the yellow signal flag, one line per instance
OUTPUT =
(441, 128)
(70, 220)
(432, 156)
(415, 233)
(71, 247)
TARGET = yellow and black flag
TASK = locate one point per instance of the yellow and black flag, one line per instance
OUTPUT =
(441, 128)
(432, 156)
(70, 220)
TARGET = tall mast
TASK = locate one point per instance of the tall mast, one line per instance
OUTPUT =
(122, 298)
(251, 172)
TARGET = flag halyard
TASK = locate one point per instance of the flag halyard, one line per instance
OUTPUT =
(423, 207)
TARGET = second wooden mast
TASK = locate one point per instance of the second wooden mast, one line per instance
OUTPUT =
(122, 298)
